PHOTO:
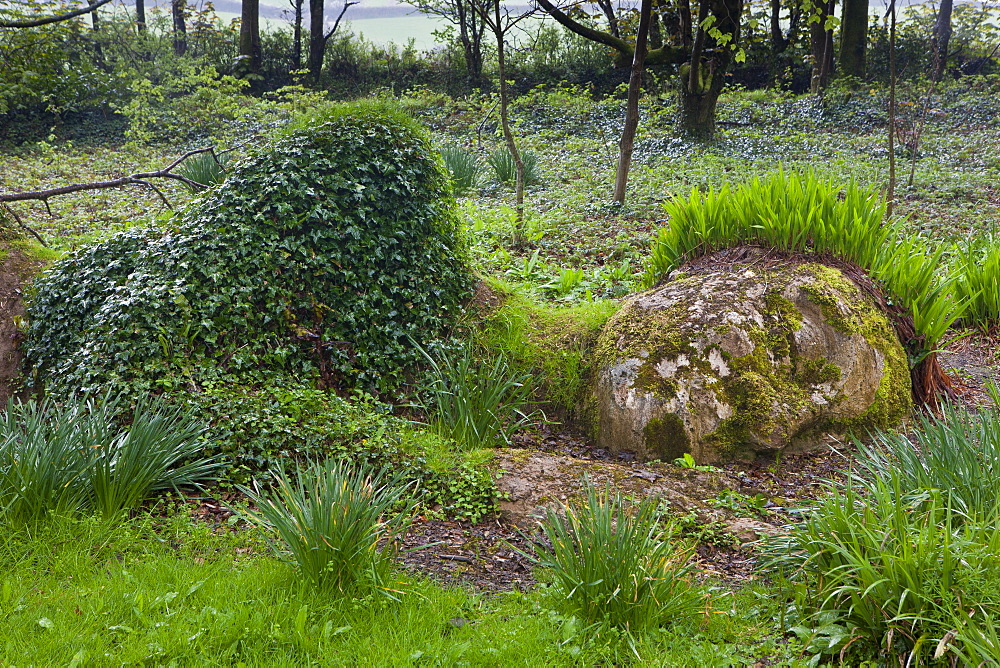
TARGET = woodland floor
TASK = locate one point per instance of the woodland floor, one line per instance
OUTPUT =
(544, 467)
(571, 226)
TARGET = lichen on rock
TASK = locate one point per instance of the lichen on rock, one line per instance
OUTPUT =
(740, 360)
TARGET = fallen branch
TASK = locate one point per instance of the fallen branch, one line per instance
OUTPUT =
(139, 178)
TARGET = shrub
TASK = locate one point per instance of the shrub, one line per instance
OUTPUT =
(322, 255)
(339, 526)
(74, 457)
(475, 402)
(617, 565)
(505, 170)
(957, 453)
(52, 68)
(463, 166)
(196, 101)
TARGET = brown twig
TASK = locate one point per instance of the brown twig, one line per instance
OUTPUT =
(23, 226)
(456, 557)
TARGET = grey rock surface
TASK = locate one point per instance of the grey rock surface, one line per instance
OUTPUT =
(729, 363)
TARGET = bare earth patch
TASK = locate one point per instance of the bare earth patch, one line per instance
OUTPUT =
(16, 270)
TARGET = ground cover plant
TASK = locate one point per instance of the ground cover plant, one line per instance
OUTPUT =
(897, 560)
(617, 565)
(160, 588)
(353, 270)
(339, 524)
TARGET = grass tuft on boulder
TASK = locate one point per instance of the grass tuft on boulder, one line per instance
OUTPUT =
(321, 254)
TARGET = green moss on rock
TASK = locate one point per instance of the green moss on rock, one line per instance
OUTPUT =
(816, 372)
(893, 399)
(555, 344)
(782, 308)
(666, 437)
(750, 362)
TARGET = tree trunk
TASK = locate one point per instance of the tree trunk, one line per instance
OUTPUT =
(890, 198)
(655, 32)
(470, 27)
(697, 114)
(702, 80)
(778, 41)
(632, 104)
(317, 41)
(505, 125)
(297, 34)
(95, 23)
(853, 38)
(794, 24)
(820, 42)
(250, 42)
(177, 10)
(140, 15)
(942, 35)
(686, 31)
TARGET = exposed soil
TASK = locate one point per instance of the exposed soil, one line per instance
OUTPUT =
(15, 271)
(487, 556)
(546, 469)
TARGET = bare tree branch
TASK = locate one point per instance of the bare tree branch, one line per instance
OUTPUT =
(625, 51)
(156, 190)
(20, 223)
(607, 39)
(139, 178)
(32, 23)
(336, 24)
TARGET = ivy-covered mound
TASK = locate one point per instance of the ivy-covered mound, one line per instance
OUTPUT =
(321, 254)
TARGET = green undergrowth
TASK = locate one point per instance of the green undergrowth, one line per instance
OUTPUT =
(77, 458)
(474, 400)
(280, 427)
(978, 279)
(897, 560)
(553, 343)
(804, 213)
(323, 253)
(161, 591)
(622, 566)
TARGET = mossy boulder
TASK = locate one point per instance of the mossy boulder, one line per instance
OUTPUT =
(734, 362)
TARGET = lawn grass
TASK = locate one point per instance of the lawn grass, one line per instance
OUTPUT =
(161, 590)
